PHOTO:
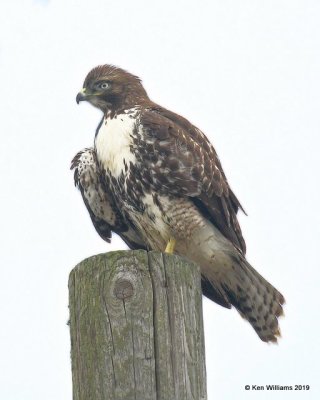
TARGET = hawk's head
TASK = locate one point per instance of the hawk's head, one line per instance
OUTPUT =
(110, 88)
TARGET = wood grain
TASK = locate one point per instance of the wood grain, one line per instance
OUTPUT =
(136, 328)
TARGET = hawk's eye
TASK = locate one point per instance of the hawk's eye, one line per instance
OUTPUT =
(103, 85)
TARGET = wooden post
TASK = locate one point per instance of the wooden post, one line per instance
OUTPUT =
(136, 328)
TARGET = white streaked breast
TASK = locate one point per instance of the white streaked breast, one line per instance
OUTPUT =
(113, 143)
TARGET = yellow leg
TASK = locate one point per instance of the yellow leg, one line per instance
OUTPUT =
(170, 246)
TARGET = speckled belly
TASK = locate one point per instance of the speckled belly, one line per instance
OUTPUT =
(164, 218)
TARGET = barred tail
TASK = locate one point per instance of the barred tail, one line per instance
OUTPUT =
(256, 300)
(230, 280)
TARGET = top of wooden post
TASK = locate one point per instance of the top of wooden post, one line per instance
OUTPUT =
(136, 328)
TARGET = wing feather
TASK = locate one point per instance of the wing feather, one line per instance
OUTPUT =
(103, 211)
(182, 161)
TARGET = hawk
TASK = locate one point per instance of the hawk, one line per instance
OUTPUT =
(155, 179)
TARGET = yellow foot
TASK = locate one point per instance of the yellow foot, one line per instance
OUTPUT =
(170, 246)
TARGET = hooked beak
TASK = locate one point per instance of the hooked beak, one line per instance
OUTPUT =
(81, 96)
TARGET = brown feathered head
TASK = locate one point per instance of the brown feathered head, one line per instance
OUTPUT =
(111, 88)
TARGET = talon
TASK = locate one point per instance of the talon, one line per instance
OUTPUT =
(170, 246)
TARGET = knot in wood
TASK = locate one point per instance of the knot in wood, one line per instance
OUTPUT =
(123, 289)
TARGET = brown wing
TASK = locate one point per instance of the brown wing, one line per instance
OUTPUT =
(180, 159)
(104, 214)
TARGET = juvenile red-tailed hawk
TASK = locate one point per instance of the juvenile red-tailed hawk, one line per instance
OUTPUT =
(156, 180)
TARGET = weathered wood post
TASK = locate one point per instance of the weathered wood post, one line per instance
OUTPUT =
(136, 328)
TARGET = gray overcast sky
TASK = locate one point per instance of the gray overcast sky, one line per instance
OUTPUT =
(247, 74)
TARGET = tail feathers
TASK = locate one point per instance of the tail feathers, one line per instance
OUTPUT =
(255, 299)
